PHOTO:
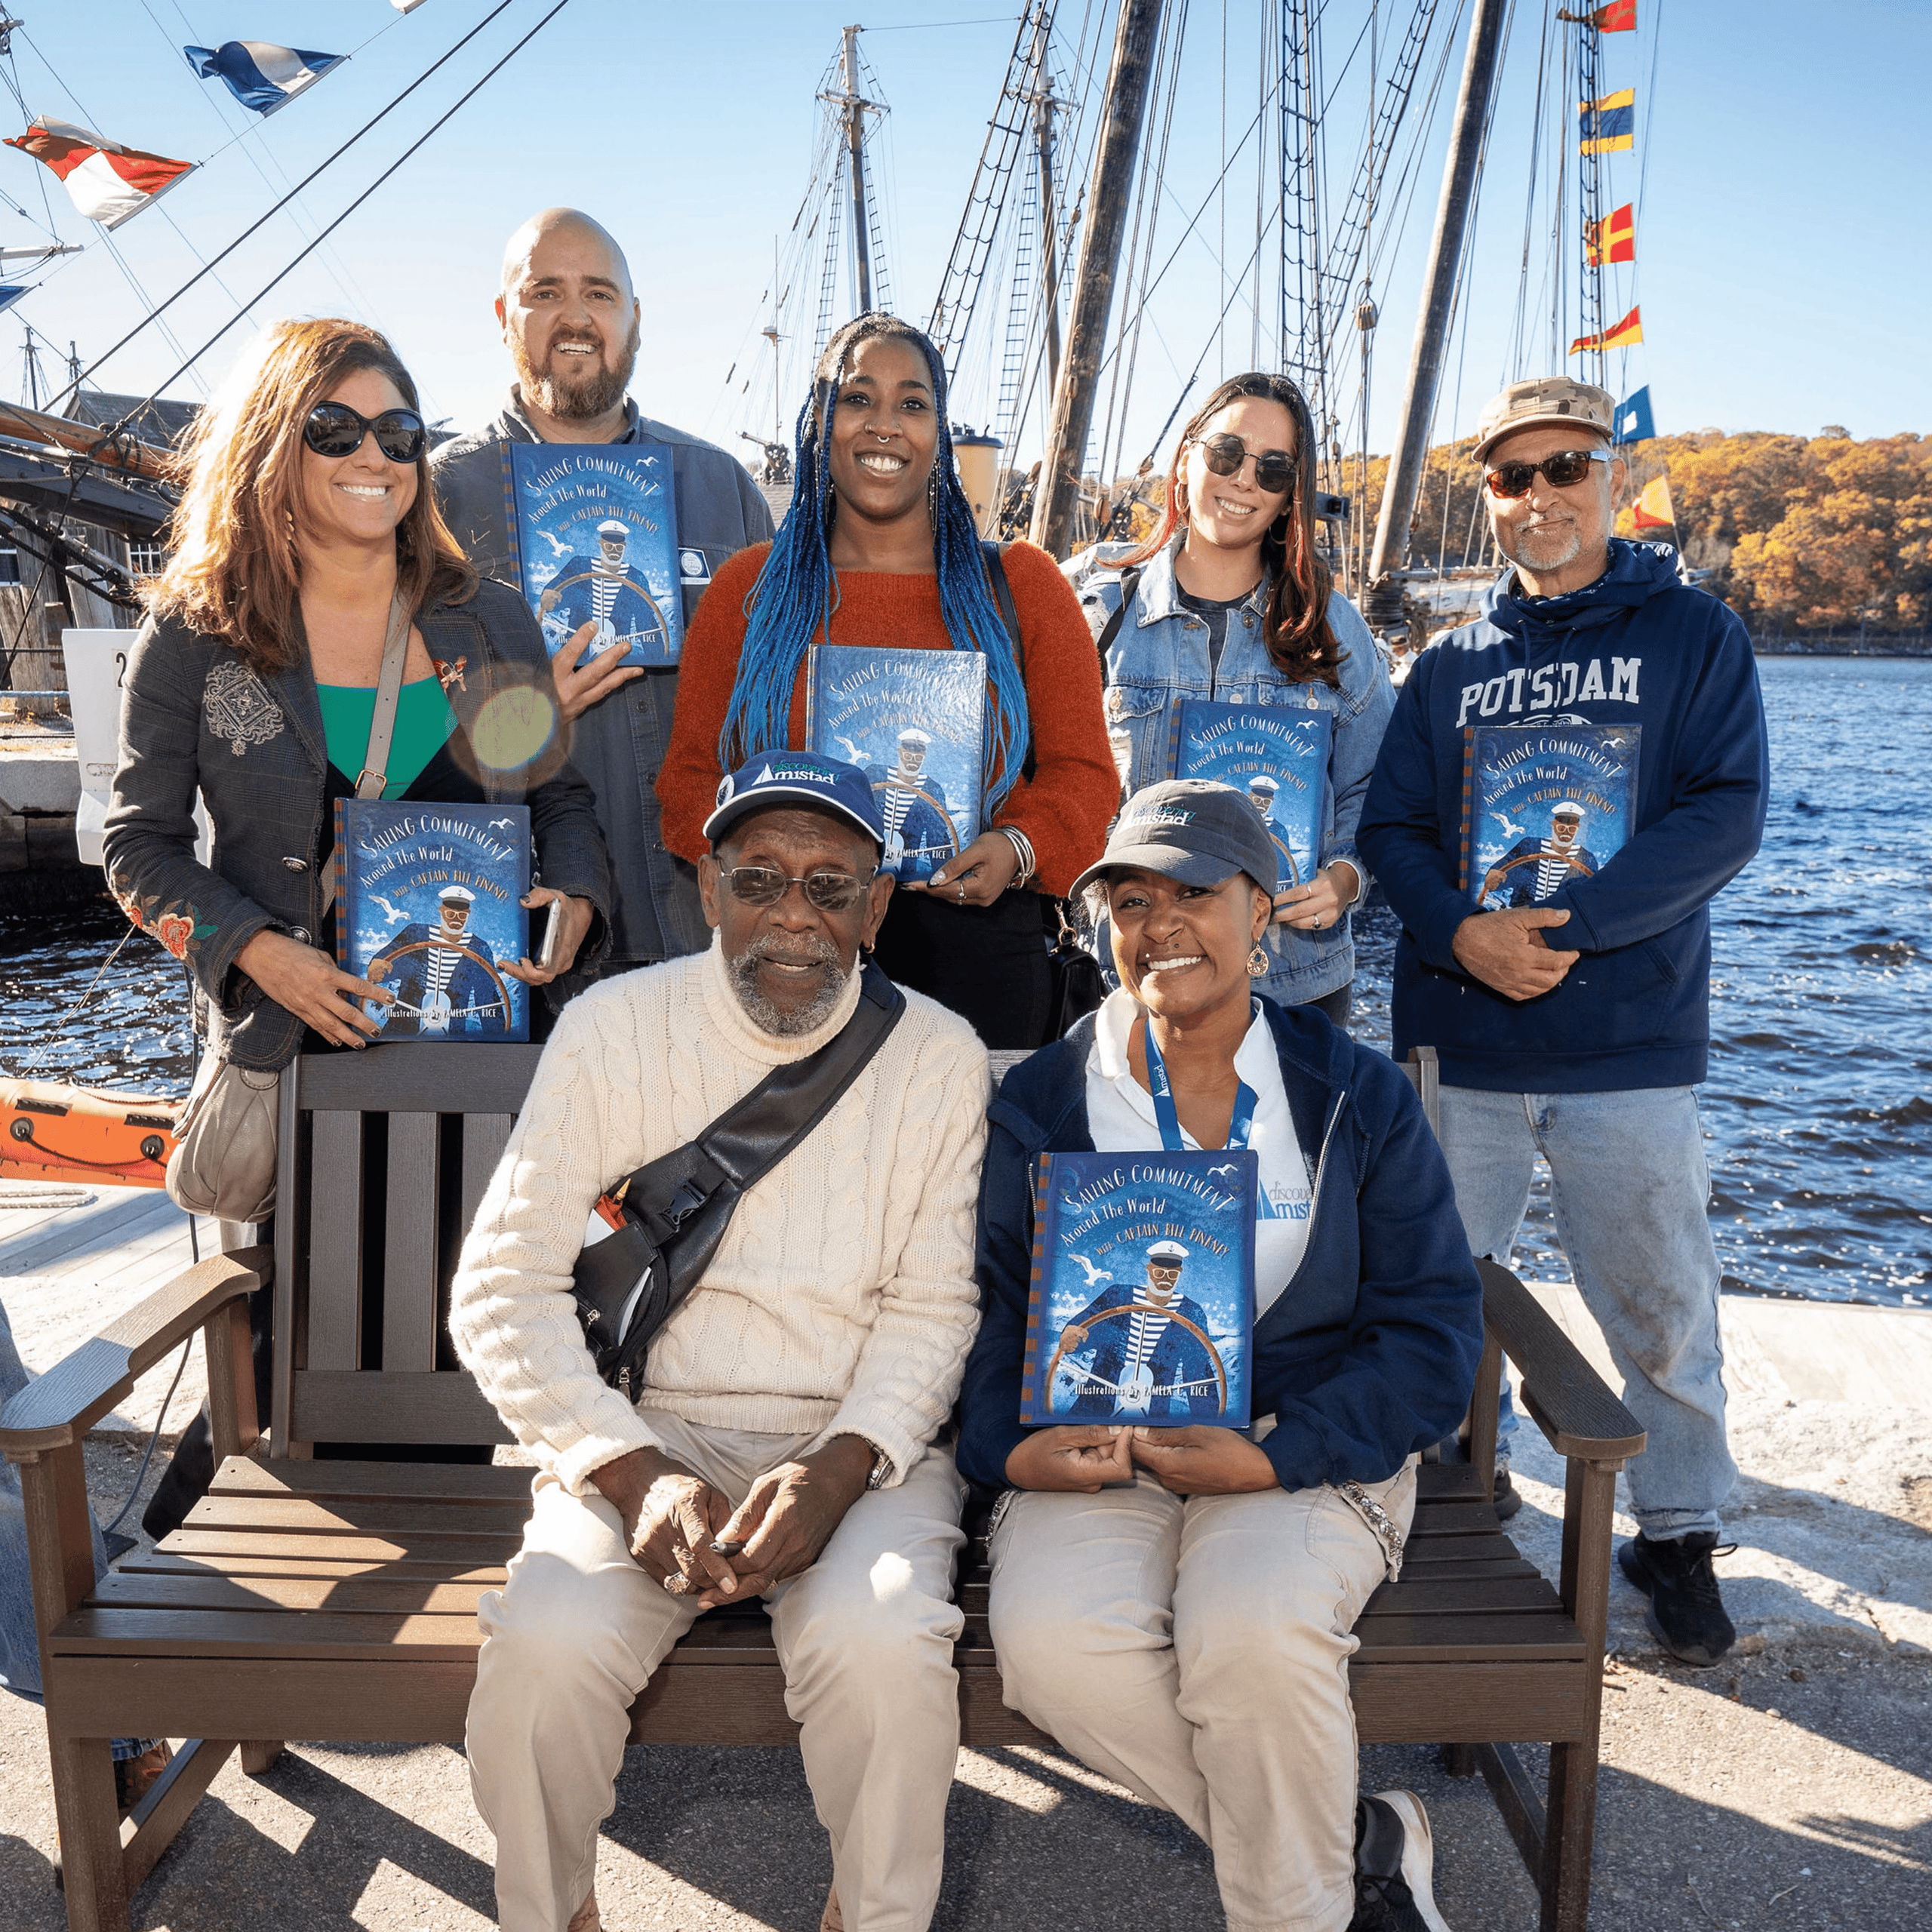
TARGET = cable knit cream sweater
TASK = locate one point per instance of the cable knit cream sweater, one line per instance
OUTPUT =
(841, 1298)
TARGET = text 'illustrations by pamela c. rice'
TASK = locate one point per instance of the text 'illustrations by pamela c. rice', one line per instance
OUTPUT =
(429, 904)
(1142, 1307)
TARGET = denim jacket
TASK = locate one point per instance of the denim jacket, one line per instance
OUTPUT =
(194, 717)
(1159, 655)
(620, 742)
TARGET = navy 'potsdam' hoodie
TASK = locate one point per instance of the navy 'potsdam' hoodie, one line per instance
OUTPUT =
(1635, 648)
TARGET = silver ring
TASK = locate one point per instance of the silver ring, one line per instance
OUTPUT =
(677, 1585)
(962, 892)
(1318, 922)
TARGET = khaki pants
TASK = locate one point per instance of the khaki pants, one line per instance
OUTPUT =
(1196, 1650)
(865, 1637)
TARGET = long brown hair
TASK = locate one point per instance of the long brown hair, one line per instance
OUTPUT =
(235, 572)
(1295, 625)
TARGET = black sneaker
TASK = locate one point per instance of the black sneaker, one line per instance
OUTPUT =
(1507, 1497)
(1393, 1857)
(1687, 1614)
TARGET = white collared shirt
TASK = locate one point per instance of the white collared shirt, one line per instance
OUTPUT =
(1120, 1116)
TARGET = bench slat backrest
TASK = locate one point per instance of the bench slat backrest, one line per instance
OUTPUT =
(383, 1158)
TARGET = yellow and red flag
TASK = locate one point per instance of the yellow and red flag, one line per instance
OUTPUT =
(1619, 16)
(1612, 239)
(1652, 509)
(1625, 334)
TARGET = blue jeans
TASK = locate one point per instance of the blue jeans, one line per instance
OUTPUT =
(20, 1646)
(1630, 1187)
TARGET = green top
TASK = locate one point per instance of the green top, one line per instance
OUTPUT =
(423, 723)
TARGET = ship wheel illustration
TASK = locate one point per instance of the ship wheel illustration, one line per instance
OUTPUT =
(1199, 1333)
(436, 1016)
(605, 628)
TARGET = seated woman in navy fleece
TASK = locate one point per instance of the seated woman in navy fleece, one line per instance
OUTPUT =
(1175, 1605)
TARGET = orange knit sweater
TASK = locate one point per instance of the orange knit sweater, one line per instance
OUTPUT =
(1064, 808)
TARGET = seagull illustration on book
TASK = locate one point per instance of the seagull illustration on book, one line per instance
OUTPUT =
(1226, 1167)
(562, 545)
(495, 822)
(1094, 1275)
(395, 918)
(1510, 831)
(855, 752)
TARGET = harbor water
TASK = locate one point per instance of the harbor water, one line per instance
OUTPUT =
(1818, 1111)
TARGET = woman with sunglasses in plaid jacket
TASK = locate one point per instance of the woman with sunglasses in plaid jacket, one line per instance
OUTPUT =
(1229, 600)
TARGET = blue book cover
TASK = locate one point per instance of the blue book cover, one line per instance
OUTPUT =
(429, 904)
(1278, 756)
(1142, 1308)
(594, 528)
(915, 722)
(1543, 804)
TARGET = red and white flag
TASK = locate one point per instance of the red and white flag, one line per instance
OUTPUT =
(108, 183)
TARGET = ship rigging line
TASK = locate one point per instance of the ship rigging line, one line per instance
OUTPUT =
(73, 388)
(275, 280)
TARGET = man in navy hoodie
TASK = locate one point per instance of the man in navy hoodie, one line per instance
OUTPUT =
(1575, 1027)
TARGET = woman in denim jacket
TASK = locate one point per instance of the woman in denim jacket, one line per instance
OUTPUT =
(1229, 600)
(307, 510)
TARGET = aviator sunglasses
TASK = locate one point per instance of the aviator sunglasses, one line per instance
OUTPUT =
(764, 885)
(1511, 480)
(1224, 454)
(334, 429)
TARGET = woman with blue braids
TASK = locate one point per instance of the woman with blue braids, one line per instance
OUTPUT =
(879, 548)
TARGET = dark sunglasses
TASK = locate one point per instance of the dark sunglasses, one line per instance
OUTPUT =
(1511, 480)
(764, 885)
(334, 429)
(1224, 454)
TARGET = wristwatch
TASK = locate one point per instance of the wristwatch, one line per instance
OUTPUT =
(882, 1467)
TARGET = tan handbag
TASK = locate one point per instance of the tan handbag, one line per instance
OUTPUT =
(223, 1162)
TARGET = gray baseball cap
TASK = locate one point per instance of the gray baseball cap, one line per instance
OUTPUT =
(1189, 829)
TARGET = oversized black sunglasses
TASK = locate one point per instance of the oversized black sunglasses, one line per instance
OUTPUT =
(764, 885)
(1224, 454)
(1511, 480)
(334, 429)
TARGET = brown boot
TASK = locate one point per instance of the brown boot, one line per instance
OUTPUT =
(832, 1919)
(587, 1918)
(135, 1777)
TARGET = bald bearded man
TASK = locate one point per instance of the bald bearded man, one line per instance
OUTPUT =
(571, 321)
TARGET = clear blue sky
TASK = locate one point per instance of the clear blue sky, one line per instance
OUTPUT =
(1783, 282)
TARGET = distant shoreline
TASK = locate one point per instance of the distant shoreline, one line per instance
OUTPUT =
(1846, 647)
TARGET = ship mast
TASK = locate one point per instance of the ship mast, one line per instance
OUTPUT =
(1382, 602)
(854, 107)
(1114, 152)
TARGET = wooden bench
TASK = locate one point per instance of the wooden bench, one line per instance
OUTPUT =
(308, 1597)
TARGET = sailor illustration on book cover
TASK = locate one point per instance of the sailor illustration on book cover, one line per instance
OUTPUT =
(920, 834)
(605, 591)
(1532, 869)
(1143, 1352)
(1261, 792)
(445, 978)
(1545, 806)
(1277, 755)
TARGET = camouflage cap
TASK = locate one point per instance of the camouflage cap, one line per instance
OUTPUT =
(1543, 401)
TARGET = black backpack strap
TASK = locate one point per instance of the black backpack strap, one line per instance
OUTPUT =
(678, 1208)
(1130, 583)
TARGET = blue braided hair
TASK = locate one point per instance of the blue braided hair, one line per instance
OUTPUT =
(797, 590)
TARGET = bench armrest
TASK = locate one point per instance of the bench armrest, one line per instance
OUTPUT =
(1564, 1395)
(59, 1407)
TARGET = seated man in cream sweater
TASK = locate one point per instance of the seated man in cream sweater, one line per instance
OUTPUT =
(789, 1405)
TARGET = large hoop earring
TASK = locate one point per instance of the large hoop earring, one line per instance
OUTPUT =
(1259, 965)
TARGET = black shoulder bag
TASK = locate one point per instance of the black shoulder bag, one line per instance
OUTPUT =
(668, 1218)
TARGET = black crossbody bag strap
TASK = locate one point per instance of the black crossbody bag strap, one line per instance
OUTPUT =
(675, 1210)
(1129, 582)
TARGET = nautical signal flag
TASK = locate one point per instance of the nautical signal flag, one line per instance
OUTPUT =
(1620, 17)
(1631, 423)
(1626, 334)
(1652, 509)
(11, 292)
(260, 74)
(1606, 126)
(1612, 239)
(107, 182)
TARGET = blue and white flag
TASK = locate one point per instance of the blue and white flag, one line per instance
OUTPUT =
(11, 292)
(260, 74)
(1632, 421)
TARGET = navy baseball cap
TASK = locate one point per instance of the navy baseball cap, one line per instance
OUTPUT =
(1189, 829)
(796, 778)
